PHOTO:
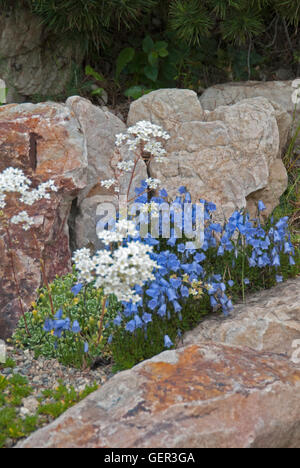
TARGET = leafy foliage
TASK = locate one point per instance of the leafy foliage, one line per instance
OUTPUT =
(61, 399)
(200, 36)
(84, 308)
(51, 405)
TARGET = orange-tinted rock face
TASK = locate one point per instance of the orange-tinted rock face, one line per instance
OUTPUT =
(44, 141)
(209, 395)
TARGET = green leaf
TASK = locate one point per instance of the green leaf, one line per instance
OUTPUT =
(160, 45)
(163, 53)
(125, 56)
(153, 58)
(169, 71)
(97, 92)
(89, 71)
(148, 44)
(151, 72)
(135, 92)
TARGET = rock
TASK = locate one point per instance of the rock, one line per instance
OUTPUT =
(277, 92)
(277, 183)
(30, 404)
(34, 62)
(284, 74)
(99, 127)
(267, 322)
(24, 412)
(225, 156)
(45, 141)
(201, 396)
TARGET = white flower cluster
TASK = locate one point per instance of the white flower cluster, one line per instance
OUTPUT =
(125, 166)
(152, 208)
(117, 272)
(146, 130)
(148, 134)
(84, 263)
(123, 229)
(156, 149)
(153, 183)
(29, 198)
(108, 183)
(13, 180)
(23, 218)
(296, 93)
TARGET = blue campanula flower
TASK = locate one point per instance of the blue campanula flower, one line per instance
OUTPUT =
(76, 289)
(118, 320)
(147, 318)
(76, 327)
(162, 310)
(276, 261)
(58, 314)
(261, 206)
(138, 322)
(130, 326)
(163, 193)
(177, 306)
(48, 326)
(167, 341)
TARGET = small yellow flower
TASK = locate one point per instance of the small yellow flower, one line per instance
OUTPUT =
(35, 312)
(52, 332)
(76, 300)
(33, 304)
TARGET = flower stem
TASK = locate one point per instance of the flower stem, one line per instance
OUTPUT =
(243, 272)
(102, 318)
(43, 269)
(15, 277)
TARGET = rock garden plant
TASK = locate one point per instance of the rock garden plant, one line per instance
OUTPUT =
(137, 295)
(140, 293)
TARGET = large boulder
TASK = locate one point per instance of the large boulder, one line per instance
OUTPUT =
(200, 396)
(46, 142)
(32, 61)
(99, 127)
(227, 156)
(279, 93)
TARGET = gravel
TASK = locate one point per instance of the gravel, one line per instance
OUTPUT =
(43, 374)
